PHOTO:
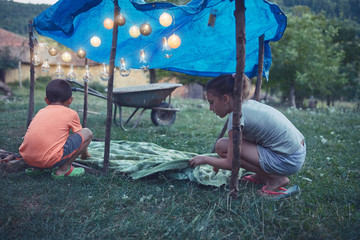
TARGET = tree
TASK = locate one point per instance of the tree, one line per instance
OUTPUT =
(348, 39)
(305, 61)
(6, 62)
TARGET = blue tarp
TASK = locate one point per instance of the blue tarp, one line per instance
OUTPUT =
(204, 50)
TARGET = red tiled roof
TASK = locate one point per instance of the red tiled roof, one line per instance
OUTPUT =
(9, 39)
(19, 48)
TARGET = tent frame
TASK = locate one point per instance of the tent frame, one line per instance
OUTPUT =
(240, 66)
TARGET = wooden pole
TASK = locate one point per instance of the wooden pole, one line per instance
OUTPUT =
(110, 91)
(19, 68)
(239, 77)
(260, 68)
(32, 75)
(85, 110)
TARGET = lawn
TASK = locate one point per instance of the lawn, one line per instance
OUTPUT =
(117, 207)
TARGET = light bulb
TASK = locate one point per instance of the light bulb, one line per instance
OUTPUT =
(120, 20)
(71, 76)
(36, 59)
(143, 63)
(124, 70)
(165, 19)
(134, 31)
(45, 67)
(108, 23)
(104, 75)
(87, 77)
(59, 71)
(66, 57)
(174, 41)
(95, 41)
(166, 50)
(145, 29)
(81, 53)
(52, 51)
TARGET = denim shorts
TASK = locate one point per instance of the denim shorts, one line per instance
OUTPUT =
(72, 144)
(276, 163)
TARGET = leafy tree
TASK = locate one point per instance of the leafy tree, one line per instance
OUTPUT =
(343, 9)
(348, 39)
(305, 61)
(6, 62)
(15, 16)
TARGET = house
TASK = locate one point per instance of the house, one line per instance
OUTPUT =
(18, 48)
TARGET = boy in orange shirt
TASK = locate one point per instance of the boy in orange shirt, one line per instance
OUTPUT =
(47, 144)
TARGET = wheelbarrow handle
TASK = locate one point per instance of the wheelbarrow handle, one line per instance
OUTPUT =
(96, 94)
(81, 85)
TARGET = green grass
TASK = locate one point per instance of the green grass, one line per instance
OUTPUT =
(116, 207)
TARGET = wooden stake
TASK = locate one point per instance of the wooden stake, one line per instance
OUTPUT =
(260, 68)
(86, 89)
(239, 77)
(110, 91)
(32, 75)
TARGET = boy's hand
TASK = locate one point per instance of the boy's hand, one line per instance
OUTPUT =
(198, 160)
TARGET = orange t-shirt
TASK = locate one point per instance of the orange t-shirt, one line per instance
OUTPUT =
(48, 131)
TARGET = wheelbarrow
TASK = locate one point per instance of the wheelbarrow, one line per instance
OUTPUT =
(149, 96)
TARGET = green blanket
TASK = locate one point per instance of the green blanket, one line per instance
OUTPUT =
(141, 159)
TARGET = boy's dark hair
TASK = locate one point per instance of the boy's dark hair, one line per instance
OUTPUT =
(224, 84)
(58, 90)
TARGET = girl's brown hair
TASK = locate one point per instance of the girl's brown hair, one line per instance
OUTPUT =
(224, 84)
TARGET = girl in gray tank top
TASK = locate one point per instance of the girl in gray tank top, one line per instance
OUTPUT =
(272, 146)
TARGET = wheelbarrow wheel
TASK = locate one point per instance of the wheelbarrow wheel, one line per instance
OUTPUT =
(163, 117)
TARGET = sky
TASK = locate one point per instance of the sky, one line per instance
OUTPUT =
(50, 2)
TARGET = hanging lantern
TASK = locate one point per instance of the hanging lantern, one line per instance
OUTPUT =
(166, 50)
(143, 64)
(52, 51)
(120, 20)
(71, 76)
(145, 29)
(104, 75)
(165, 19)
(134, 31)
(81, 53)
(59, 71)
(36, 60)
(174, 41)
(95, 41)
(108, 23)
(124, 70)
(87, 77)
(66, 57)
(45, 67)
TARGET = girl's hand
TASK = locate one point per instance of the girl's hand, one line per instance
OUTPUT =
(198, 160)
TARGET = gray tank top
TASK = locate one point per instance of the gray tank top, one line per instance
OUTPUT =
(267, 127)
